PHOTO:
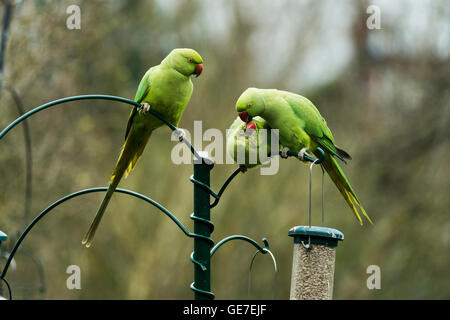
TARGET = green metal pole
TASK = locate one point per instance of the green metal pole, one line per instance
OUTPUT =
(201, 217)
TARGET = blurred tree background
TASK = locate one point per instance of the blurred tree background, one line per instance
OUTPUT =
(385, 95)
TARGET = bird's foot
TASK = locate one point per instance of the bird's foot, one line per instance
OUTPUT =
(301, 155)
(284, 152)
(180, 134)
(145, 107)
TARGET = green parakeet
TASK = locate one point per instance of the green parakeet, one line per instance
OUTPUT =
(166, 89)
(301, 129)
(247, 139)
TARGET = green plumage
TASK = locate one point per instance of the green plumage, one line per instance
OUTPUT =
(249, 143)
(167, 88)
(300, 126)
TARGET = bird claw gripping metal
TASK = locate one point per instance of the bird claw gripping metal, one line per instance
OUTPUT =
(304, 156)
(145, 107)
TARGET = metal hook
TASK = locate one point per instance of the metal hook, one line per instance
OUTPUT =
(275, 274)
(308, 245)
(8, 287)
(323, 195)
(310, 188)
(310, 193)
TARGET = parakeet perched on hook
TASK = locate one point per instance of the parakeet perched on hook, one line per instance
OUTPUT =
(166, 89)
(302, 129)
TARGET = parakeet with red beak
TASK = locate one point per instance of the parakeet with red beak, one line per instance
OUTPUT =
(302, 129)
(247, 138)
(166, 89)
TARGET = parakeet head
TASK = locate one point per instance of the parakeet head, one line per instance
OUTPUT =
(185, 61)
(250, 104)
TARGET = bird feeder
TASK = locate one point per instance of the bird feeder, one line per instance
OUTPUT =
(313, 262)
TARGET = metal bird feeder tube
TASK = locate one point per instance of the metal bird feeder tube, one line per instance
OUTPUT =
(313, 262)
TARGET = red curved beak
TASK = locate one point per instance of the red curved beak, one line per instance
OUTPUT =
(244, 116)
(198, 69)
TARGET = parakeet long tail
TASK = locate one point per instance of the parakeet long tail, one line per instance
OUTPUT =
(131, 151)
(337, 175)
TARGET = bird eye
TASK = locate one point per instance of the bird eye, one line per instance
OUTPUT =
(249, 105)
(189, 60)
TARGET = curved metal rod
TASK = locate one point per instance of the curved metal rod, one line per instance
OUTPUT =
(205, 187)
(321, 158)
(224, 186)
(323, 195)
(208, 189)
(208, 294)
(310, 189)
(64, 100)
(306, 157)
(8, 287)
(240, 237)
(274, 278)
(79, 193)
(93, 97)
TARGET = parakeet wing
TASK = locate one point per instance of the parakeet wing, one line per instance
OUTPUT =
(314, 124)
(143, 89)
(325, 143)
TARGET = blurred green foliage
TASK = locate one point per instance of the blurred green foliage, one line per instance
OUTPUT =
(383, 92)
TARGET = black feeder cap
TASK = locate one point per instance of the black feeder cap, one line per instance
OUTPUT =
(317, 235)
